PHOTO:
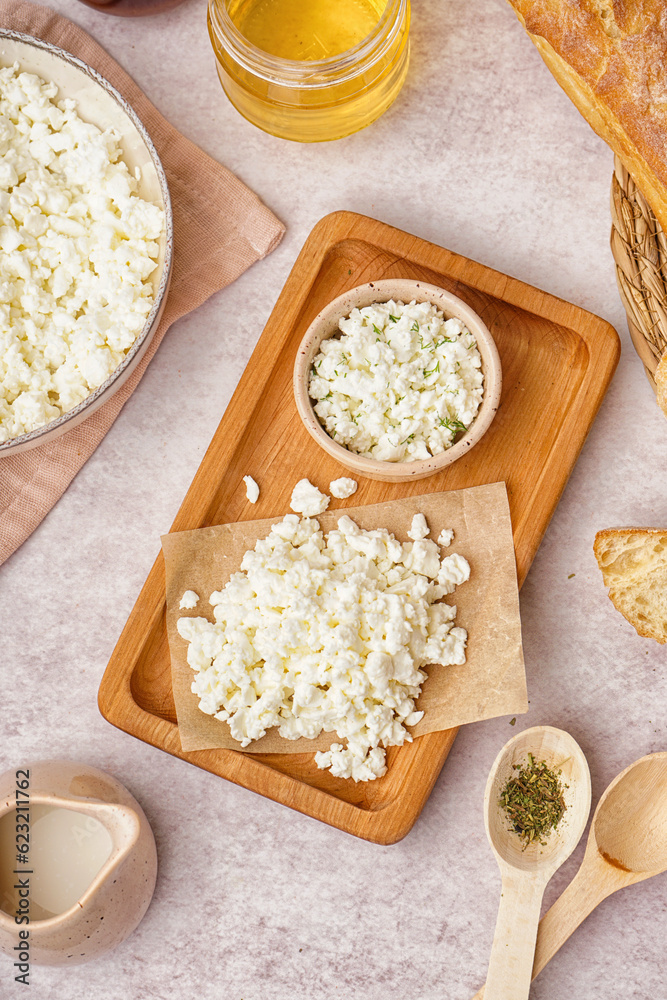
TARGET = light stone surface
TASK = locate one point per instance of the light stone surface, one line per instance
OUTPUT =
(483, 154)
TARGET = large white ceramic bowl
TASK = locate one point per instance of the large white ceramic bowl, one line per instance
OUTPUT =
(325, 325)
(100, 103)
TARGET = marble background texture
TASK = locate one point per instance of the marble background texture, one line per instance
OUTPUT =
(484, 154)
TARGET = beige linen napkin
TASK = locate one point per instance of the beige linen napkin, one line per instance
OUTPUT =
(220, 229)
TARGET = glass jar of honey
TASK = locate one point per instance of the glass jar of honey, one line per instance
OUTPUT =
(310, 70)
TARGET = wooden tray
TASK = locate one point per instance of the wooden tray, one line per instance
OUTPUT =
(557, 363)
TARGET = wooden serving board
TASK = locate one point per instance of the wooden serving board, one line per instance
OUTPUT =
(557, 362)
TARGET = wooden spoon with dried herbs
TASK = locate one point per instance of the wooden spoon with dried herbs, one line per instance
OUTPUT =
(538, 797)
(627, 843)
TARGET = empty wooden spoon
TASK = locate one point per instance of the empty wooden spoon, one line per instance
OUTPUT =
(627, 843)
(525, 869)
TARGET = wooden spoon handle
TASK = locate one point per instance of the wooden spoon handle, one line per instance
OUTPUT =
(513, 948)
(594, 881)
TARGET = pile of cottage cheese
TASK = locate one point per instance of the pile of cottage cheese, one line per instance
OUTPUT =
(399, 384)
(77, 248)
(328, 632)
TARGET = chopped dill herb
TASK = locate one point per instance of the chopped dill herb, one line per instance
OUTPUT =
(415, 327)
(445, 340)
(394, 319)
(453, 426)
(378, 331)
(432, 371)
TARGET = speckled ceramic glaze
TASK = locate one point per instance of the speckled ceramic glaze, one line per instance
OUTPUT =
(325, 325)
(117, 898)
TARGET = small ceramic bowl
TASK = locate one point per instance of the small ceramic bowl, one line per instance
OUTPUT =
(325, 325)
(100, 103)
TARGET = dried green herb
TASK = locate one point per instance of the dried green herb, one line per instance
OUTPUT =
(533, 800)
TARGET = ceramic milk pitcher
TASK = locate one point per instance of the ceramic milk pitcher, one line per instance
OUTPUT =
(77, 863)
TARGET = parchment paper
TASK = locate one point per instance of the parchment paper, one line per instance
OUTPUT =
(492, 682)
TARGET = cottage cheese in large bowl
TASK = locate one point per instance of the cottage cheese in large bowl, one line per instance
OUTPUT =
(85, 241)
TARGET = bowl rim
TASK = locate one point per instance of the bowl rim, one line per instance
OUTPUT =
(99, 395)
(378, 291)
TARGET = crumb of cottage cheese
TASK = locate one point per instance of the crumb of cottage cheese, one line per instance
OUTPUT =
(399, 382)
(251, 489)
(445, 538)
(308, 500)
(78, 246)
(189, 600)
(454, 570)
(327, 632)
(342, 488)
(419, 528)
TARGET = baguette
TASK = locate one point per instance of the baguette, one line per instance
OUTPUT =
(634, 567)
(610, 58)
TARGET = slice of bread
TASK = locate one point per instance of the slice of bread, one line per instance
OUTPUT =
(634, 567)
(661, 383)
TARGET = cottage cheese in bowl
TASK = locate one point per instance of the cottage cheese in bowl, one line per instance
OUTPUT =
(397, 379)
(400, 383)
(84, 254)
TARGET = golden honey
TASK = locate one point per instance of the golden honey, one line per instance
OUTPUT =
(315, 29)
(310, 70)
